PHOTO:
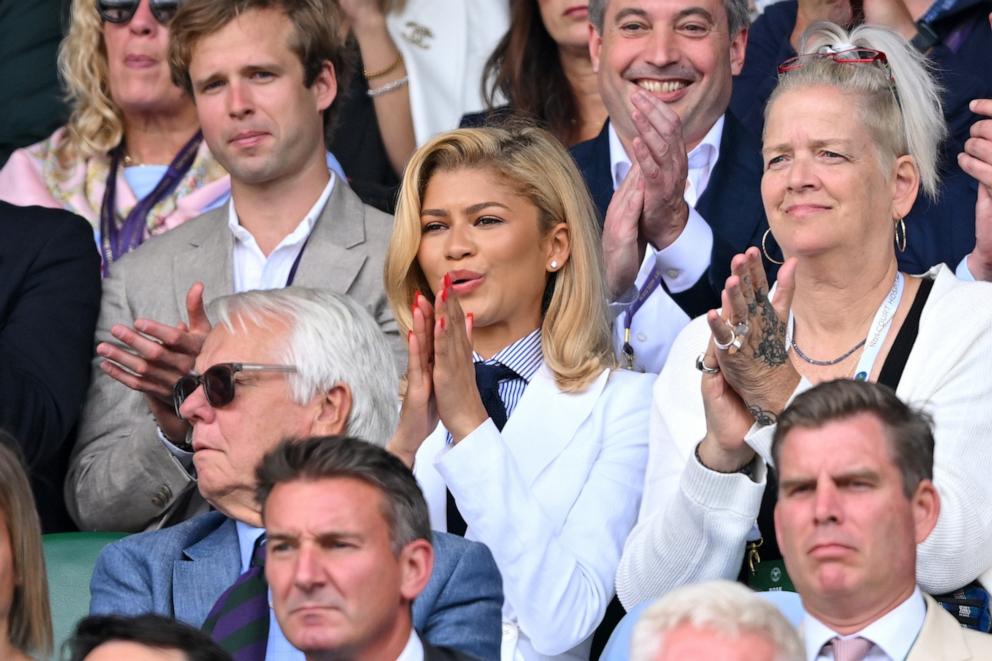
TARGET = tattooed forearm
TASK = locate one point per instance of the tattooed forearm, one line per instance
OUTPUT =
(761, 416)
(771, 348)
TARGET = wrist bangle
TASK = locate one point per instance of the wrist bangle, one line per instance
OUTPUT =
(371, 75)
(744, 469)
(388, 87)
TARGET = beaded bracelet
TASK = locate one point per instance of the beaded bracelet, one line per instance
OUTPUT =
(382, 72)
(388, 87)
(745, 469)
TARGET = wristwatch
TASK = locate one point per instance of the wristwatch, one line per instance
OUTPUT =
(926, 38)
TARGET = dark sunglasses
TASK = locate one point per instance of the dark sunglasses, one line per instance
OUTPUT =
(218, 382)
(122, 11)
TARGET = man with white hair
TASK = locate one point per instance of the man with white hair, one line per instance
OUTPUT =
(714, 620)
(290, 363)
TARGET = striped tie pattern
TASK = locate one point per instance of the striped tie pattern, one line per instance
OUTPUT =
(850, 649)
(239, 620)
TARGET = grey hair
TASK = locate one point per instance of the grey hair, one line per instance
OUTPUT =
(738, 15)
(899, 104)
(727, 609)
(909, 432)
(332, 340)
(333, 457)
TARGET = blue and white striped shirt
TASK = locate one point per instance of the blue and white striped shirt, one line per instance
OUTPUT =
(523, 357)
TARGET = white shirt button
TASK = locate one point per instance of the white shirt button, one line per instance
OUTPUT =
(673, 273)
(641, 337)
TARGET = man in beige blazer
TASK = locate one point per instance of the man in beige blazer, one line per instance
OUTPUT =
(289, 221)
(856, 496)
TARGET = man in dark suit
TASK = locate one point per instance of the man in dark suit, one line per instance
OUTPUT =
(290, 221)
(686, 173)
(349, 549)
(855, 498)
(49, 299)
(285, 363)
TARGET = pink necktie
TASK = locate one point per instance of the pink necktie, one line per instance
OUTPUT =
(850, 649)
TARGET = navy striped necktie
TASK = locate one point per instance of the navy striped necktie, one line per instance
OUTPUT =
(239, 620)
(487, 378)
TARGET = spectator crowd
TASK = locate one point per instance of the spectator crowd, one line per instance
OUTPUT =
(519, 330)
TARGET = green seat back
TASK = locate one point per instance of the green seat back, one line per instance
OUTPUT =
(69, 560)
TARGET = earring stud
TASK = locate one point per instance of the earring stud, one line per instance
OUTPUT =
(554, 265)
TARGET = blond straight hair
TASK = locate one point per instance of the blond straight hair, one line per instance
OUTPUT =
(29, 623)
(575, 331)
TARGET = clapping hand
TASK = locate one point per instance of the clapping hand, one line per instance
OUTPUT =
(152, 356)
(749, 334)
(440, 376)
(977, 162)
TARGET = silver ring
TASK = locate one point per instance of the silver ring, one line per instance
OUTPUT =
(702, 367)
(734, 342)
(741, 329)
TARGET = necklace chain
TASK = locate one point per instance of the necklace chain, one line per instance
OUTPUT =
(823, 363)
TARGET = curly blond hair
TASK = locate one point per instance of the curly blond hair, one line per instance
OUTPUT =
(96, 124)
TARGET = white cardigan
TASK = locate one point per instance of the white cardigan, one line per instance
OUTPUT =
(553, 496)
(694, 522)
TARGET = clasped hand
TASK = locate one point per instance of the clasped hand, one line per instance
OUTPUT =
(440, 375)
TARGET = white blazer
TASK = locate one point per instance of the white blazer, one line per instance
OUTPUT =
(553, 497)
(445, 45)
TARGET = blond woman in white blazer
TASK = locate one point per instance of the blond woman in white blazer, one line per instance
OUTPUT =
(495, 259)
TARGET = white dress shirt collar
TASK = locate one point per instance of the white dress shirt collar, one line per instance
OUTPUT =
(893, 634)
(702, 160)
(414, 650)
(252, 268)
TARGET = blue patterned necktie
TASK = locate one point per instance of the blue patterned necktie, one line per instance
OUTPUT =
(239, 620)
(487, 378)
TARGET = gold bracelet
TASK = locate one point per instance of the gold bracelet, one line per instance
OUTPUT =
(379, 74)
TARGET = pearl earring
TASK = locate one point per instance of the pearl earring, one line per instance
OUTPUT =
(554, 265)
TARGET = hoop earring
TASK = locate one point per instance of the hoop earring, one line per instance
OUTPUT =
(901, 235)
(764, 248)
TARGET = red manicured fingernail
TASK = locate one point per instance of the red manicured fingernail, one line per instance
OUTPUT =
(447, 280)
(444, 295)
(471, 317)
(441, 323)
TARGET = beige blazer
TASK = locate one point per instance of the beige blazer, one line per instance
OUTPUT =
(943, 639)
(121, 477)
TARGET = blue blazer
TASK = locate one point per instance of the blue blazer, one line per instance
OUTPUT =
(181, 571)
(731, 204)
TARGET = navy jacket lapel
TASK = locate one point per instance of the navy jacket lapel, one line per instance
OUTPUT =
(593, 159)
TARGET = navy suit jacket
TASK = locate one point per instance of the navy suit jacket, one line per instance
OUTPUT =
(49, 300)
(181, 571)
(731, 204)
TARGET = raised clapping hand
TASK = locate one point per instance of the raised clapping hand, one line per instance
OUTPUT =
(660, 153)
(977, 162)
(440, 375)
(755, 376)
(155, 356)
(623, 247)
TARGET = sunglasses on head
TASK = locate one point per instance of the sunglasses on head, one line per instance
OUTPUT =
(122, 11)
(218, 382)
(843, 56)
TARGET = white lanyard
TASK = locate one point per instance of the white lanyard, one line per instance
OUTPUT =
(876, 334)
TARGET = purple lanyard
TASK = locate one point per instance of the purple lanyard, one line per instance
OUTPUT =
(643, 294)
(118, 240)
